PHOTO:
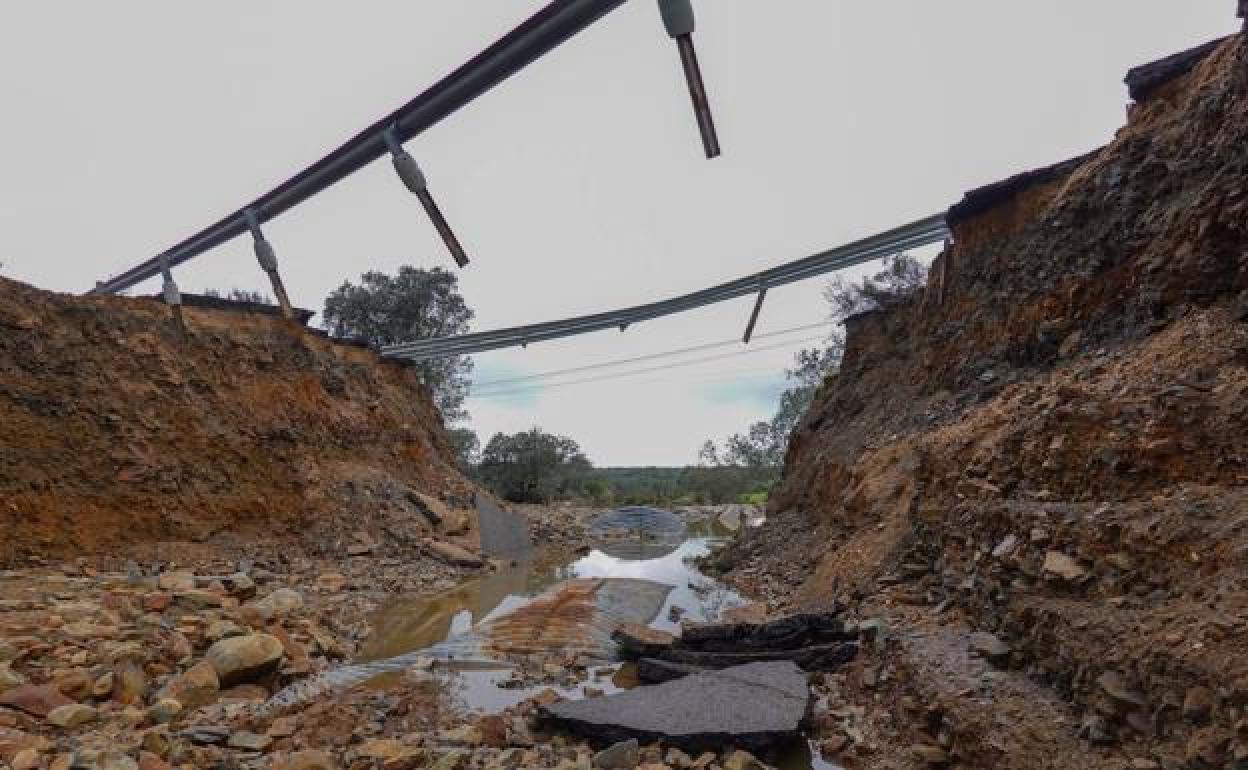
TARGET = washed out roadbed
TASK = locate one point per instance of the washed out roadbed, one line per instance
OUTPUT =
(167, 659)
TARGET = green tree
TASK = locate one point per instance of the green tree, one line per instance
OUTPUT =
(533, 466)
(467, 447)
(764, 444)
(598, 491)
(901, 277)
(412, 305)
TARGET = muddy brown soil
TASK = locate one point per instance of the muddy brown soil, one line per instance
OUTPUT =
(116, 432)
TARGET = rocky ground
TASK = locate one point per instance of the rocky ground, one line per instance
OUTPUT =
(1032, 479)
(168, 659)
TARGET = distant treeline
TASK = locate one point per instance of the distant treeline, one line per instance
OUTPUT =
(693, 485)
(538, 467)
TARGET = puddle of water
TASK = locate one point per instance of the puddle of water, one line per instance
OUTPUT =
(407, 626)
(418, 624)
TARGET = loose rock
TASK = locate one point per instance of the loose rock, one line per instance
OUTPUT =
(244, 659)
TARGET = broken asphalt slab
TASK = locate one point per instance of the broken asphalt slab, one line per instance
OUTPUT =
(504, 535)
(815, 642)
(753, 706)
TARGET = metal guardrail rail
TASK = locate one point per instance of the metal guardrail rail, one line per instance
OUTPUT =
(921, 233)
(541, 33)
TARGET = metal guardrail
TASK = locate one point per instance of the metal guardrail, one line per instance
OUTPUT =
(921, 233)
(541, 33)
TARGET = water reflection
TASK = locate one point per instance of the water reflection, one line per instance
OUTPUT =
(418, 624)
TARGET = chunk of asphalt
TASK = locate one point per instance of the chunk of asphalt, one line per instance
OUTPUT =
(655, 671)
(753, 706)
(504, 535)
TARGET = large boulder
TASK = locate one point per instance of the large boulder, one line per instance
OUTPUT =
(242, 659)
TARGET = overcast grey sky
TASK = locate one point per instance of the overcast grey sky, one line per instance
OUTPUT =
(577, 186)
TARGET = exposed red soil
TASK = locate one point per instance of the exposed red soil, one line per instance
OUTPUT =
(115, 432)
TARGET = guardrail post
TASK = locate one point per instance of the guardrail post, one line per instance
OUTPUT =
(173, 298)
(758, 308)
(679, 20)
(946, 270)
(267, 257)
(413, 179)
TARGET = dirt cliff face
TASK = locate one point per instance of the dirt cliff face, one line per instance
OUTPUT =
(115, 432)
(1049, 446)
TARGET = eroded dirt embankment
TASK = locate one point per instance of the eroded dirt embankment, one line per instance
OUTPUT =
(115, 435)
(1036, 472)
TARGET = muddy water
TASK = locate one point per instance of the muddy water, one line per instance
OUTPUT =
(417, 624)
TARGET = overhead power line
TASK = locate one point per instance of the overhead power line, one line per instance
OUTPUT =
(684, 378)
(648, 370)
(649, 357)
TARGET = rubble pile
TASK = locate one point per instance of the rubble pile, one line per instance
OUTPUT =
(108, 670)
(1032, 478)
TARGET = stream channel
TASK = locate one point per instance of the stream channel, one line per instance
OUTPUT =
(407, 626)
